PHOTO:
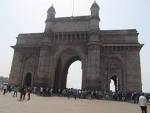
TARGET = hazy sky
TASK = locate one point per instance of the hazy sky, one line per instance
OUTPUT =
(27, 16)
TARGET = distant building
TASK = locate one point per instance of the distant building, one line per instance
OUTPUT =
(43, 59)
(3, 80)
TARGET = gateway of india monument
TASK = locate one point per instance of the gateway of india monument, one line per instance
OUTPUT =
(43, 59)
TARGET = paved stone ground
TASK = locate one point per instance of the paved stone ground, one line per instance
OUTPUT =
(37, 104)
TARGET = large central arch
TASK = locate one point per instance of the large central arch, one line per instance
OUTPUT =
(64, 59)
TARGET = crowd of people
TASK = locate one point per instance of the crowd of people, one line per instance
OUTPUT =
(74, 93)
(135, 97)
(15, 89)
(90, 94)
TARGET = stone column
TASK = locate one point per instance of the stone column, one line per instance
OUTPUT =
(84, 72)
(15, 77)
(93, 78)
(133, 71)
(43, 67)
(93, 59)
(51, 72)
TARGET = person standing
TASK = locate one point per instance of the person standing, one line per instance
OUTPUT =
(143, 103)
(41, 91)
(15, 91)
(24, 93)
(5, 89)
(29, 90)
(21, 93)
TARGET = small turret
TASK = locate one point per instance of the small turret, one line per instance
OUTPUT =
(50, 19)
(94, 23)
(51, 13)
(95, 10)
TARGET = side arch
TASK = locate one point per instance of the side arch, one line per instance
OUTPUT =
(115, 67)
(28, 67)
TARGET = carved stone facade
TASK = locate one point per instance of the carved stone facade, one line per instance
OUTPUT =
(43, 59)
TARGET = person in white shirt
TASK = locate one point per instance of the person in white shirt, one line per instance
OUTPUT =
(143, 103)
(41, 91)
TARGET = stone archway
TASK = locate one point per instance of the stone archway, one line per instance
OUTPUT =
(114, 71)
(65, 59)
(66, 67)
(28, 80)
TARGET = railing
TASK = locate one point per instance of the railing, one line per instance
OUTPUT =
(56, 37)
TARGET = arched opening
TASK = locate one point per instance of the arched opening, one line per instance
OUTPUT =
(114, 83)
(61, 72)
(28, 79)
(112, 86)
(74, 77)
(116, 72)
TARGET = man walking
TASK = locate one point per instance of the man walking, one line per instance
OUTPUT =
(143, 103)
